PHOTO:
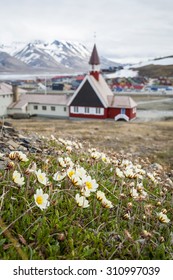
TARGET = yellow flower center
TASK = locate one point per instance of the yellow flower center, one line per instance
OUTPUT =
(39, 199)
(41, 177)
(89, 185)
(71, 173)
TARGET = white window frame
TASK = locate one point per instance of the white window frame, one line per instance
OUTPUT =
(123, 111)
(76, 109)
(87, 110)
(99, 111)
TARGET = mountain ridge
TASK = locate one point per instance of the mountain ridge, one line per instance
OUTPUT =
(60, 56)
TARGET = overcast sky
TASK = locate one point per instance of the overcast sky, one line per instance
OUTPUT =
(124, 29)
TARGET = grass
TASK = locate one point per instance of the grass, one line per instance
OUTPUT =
(149, 139)
(138, 226)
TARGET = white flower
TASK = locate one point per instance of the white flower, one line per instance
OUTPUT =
(17, 178)
(126, 162)
(58, 176)
(81, 172)
(163, 218)
(95, 155)
(22, 156)
(76, 181)
(104, 158)
(68, 161)
(12, 155)
(71, 172)
(61, 162)
(41, 199)
(119, 173)
(100, 195)
(85, 192)
(90, 184)
(143, 194)
(41, 176)
(152, 178)
(68, 149)
(128, 172)
(134, 193)
(81, 201)
(19, 155)
(106, 203)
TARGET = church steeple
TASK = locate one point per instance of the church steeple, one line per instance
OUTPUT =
(95, 63)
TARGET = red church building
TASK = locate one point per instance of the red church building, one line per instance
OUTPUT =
(94, 99)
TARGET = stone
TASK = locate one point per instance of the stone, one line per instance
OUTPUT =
(156, 166)
(13, 144)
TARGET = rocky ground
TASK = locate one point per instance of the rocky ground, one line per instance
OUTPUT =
(11, 139)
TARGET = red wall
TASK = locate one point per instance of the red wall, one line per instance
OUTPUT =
(131, 115)
(109, 113)
(112, 112)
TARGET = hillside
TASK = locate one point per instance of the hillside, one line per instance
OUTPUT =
(9, 63)
(158, 67)
(154, 71)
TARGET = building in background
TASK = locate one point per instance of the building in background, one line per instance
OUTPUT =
(94, 98)
(8, 95)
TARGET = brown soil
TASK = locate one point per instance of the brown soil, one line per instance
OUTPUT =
(149, 139)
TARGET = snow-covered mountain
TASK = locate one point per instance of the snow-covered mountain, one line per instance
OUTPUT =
(60, 56)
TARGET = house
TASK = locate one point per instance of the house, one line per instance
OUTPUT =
(45, 105)
(8, 94)
(94, 99)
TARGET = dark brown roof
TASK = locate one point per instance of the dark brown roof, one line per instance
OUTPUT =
(94, 59)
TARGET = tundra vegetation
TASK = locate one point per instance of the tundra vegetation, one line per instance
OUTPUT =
(75, 201)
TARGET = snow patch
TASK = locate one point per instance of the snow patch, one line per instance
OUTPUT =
(124, 73)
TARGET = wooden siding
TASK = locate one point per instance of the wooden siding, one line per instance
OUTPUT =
(112, 112)
(87, 97)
